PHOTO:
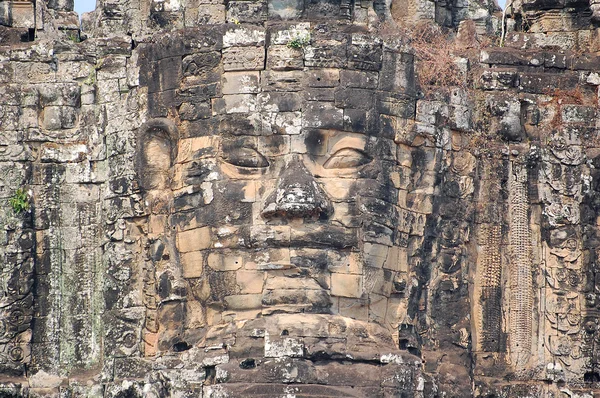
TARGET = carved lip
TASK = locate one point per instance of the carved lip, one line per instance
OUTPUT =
(316, 236)
(297, 210)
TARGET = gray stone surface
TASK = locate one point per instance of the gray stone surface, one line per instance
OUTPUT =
(288, 198)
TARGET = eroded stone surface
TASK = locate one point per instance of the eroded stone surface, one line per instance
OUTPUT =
(270, 199)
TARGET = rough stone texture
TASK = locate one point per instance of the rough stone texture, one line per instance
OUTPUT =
(271, 199)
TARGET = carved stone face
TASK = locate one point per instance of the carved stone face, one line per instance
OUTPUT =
(295, 222)
(286, 197)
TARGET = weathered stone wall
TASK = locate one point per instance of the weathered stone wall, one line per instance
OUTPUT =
(268, 199)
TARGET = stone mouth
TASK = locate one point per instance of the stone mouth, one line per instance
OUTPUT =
(295, 210)
(355, 338)
(320, 236)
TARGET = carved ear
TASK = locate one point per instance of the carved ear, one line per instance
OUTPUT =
(157, 150)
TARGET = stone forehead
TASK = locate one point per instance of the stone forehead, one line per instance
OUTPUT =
(318, 45)
(279, 79)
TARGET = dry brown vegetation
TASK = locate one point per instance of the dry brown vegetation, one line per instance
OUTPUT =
(562, 97)
(437, 50)
(434, 53)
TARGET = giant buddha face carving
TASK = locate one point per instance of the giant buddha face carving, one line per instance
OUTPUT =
(303, 222)
(289, 198)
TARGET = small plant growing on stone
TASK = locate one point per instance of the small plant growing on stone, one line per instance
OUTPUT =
(20, 201)
(299, 41)
(91, 79)
(74, 37)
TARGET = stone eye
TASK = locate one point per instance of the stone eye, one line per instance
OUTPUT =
(245, 157)
(347, 158)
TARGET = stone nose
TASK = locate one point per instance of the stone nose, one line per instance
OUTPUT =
(297, 195)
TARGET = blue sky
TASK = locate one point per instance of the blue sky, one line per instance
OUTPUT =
(82, 6)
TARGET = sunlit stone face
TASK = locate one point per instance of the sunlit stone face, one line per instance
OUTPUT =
(287, 193)
(301, 222)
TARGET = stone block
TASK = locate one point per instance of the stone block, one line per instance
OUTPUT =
(541, 83)
(365, 56)
(377, 308)
(22, 15)
(244, 36)
(345, 263)
(193, 111)
(284, 283)
(323, 78)
(56, 118)
(169, 70)
(359, 79)
(192, 264)
(250, 282)
(578, 114)
(240, 82)
(247, 11)
(325, 54)
(287, 123)
(354, 98)
(397, 73)
(194, 239)
(27, 72)
(199, 68)
(375, 254)
(285, 9)
(359, 120)
(108, 92)
(210, 14)
(276, 347)
(279, 102)
(511, 56)
(320, 94)
(585, 62)
(235, 103)
(284, 58)
(198, 93)
(243, 58)
(346, 285)
(401, 107)
(239, 125)
(243, 301)
(282, 80)
(323, 115)
(498, 79)
(65, 153)
(284, 35)
(224, 261)
(114, 67)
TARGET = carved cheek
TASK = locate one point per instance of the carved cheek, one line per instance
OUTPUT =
(337, 189)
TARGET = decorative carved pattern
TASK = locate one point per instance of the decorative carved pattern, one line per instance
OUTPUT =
(520, 267)
(490, 273)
